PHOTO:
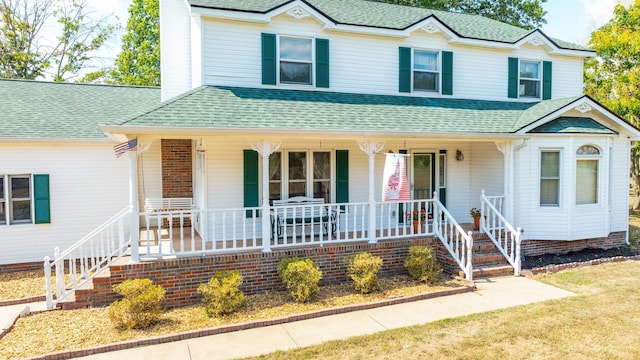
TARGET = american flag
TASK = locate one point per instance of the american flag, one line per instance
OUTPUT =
(130, 145)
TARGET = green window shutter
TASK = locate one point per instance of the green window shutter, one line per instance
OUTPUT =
(447, 73)
(404, 82)
(251, 180)
(342, 176)
(269, 59)
(513, 77)
(546, 80)
(322, 63)
(41, 199)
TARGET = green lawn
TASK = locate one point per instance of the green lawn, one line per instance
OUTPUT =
(601, 323)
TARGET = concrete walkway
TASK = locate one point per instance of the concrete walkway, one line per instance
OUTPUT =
(9, 314)
(491, 294)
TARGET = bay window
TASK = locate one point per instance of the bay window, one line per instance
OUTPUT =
(550, 178)
(587, 160)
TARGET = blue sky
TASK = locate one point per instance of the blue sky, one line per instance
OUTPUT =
(574, 20)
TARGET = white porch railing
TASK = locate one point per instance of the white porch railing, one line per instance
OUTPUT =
(398, 219)
(507, 239)
(455, 240)
(82, 261)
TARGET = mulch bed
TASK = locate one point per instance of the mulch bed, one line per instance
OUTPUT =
(532, 262)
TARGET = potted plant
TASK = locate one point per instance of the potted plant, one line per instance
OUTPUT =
(418, 218)
(475, 214)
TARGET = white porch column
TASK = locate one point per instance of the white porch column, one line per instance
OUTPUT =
(371, 148)
(133, 206)
(265, 149)
(505, 148)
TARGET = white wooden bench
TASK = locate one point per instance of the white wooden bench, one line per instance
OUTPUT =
(300, 211)
(167, 204)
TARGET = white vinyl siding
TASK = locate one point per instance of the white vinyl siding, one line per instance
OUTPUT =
(231, 52)
(175, 48)
(88, 185)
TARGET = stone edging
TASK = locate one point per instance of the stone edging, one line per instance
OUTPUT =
(23, 301)
(68, 354)
(550, 269)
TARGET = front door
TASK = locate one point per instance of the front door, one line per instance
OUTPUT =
(423, 176)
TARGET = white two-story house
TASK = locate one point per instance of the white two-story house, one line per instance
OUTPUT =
(278, 117)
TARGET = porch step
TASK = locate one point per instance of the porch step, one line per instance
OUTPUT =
(488, 270)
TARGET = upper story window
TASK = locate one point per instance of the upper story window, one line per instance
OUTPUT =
(295, 59)
(529, 79)
(550, 178)
(587, 163)
(426, 72)
(423, 70)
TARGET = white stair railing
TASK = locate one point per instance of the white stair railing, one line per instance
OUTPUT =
(455, 240)
(505, 237)
(86, 258)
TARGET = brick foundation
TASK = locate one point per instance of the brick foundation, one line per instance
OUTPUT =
(181, 277)
(10, 268)
(541, 247)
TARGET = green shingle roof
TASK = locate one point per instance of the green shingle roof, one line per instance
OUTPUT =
(573, 125)
(252, 109)
(38, 109)
(390, 16)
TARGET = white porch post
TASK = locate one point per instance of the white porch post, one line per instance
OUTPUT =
(133, 206)
(371, 148)
(265, 149)
(505, 148)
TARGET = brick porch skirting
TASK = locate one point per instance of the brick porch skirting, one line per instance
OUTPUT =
(181, 277)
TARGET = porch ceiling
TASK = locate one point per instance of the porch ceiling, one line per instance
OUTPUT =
(231, 108)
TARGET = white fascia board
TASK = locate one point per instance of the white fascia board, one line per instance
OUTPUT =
(188, 132)
(539, 38)
(584, 104)
(297, 9)
(26, 140)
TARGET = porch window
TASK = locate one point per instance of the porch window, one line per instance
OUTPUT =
(300, 173)
(426, 73)
(550, 178)
(587, 160)
(275, 176)
(3, 202)
(295, 60)
(529, 79)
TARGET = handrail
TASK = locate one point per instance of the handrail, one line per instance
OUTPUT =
(455, 240)
(507, 239)
(85, 259)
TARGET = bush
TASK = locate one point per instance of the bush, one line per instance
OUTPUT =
(363, 269)
(422, 264)
(221, 295)
(141, 306)
(301, 277)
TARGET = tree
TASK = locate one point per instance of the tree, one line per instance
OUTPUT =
(25, 51)
(527, 14)
(139, 61)
(613, 76)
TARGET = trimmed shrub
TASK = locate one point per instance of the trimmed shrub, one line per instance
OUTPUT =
(301, 277)
(363, 269)
(141, 306)
(422, 264)
(221, 295)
